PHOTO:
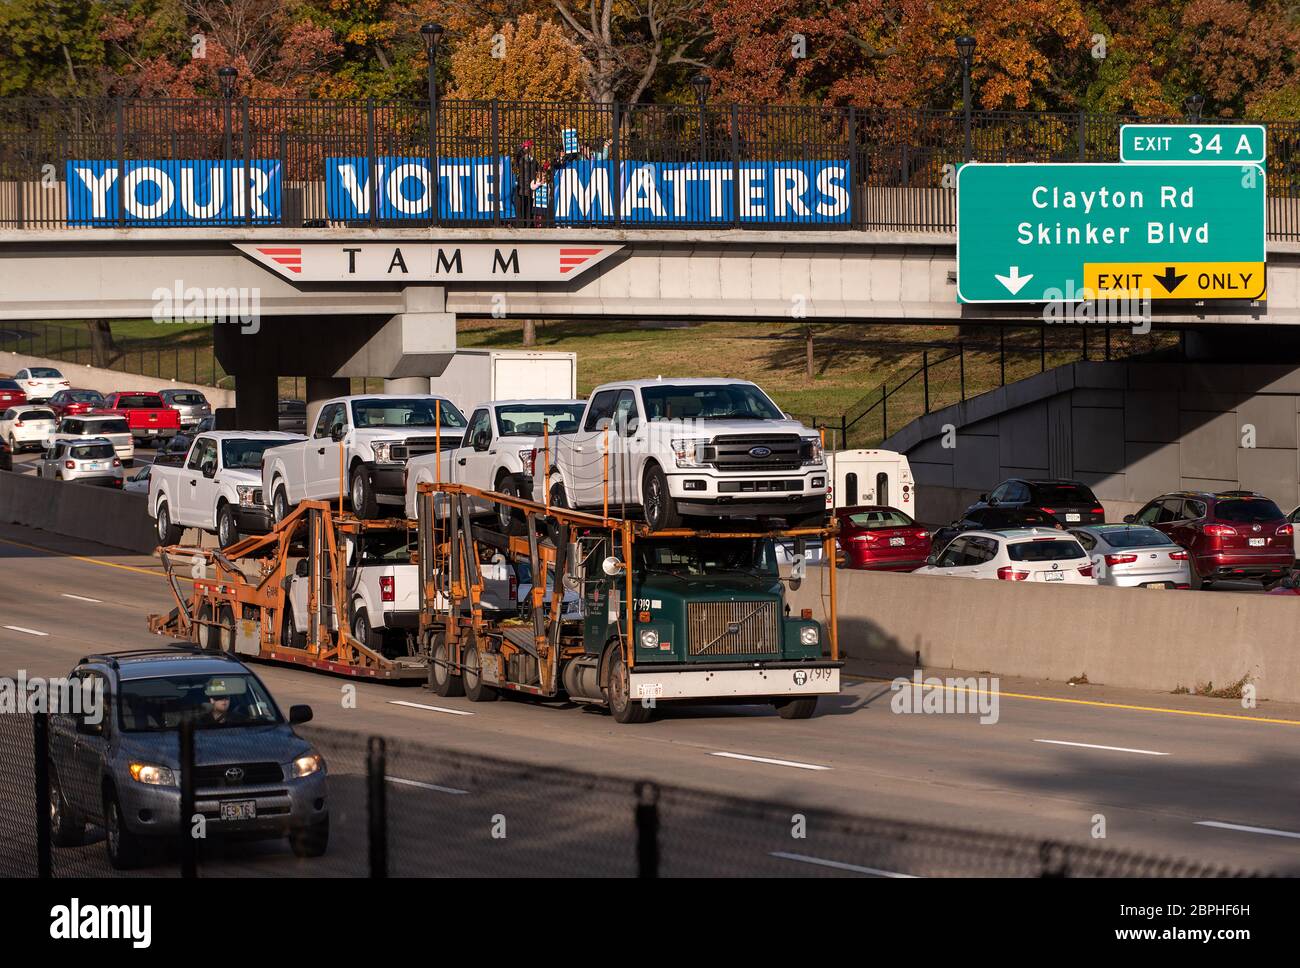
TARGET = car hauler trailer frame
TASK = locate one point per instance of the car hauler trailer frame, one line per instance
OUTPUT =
(251, 615)
(670, 615)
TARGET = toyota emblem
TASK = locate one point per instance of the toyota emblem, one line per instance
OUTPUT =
(760, 452)
(234, 774)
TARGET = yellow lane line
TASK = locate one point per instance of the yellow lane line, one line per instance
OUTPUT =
(90, 561)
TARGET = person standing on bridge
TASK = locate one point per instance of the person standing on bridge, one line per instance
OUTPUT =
(525, 176)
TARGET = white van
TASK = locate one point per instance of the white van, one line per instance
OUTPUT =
(870, 477)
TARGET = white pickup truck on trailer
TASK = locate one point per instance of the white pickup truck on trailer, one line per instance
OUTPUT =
(473, 376)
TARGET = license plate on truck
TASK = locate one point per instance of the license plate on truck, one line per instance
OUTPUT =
(239, 810)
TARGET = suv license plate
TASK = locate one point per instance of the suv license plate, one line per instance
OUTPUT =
(239, 810)
(1054, 576)
(1072, 517)
(1257, 542)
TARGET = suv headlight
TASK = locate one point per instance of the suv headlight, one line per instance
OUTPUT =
(306, 765)
(249, 495)
(152, 775)
(808, 635)
(812, 450)
(688, 451)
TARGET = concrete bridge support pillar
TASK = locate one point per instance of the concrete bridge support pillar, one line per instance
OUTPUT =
(256, 393)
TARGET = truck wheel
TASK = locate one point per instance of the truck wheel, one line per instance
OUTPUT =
(362, 494)
(311, 840)
(280, 505)
(125, 849)
(290, 637)
(227, 526)
(205, 632)
(225, 630)
(660, 507)
(508, 519)
(363, 633)
(67, 829)
(476, 690)
(796, 708)
(168, 533)
(618, 693)
(442, 680)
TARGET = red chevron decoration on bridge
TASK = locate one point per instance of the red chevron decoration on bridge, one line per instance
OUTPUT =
(570, 259)
(290, 258)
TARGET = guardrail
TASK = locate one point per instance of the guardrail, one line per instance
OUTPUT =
(63, 163)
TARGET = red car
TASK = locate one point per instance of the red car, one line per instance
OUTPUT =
(11, 394)
(881, 538)
(1230, 534)
(69, 403)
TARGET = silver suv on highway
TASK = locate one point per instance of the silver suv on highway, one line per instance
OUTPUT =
(192, 405)
(86, 460)
(118, 763)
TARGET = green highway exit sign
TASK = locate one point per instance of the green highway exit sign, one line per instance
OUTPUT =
(1035, 233)
(1145, 144)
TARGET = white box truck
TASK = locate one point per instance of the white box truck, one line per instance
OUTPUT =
(860, 477)
(474, 377)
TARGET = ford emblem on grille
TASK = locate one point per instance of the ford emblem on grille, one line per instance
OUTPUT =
(234, 774)
(760, 452)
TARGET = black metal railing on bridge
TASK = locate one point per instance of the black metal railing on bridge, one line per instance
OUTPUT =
(174, 162)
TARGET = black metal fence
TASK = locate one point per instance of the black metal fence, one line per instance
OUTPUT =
(404, 809)
(164, 162)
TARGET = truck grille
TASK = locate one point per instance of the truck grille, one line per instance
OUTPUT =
(418, 446)
(733, 628)
(733, 453)
(253, 774)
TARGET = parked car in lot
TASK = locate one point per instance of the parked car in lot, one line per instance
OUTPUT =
(150, 419)
(138, 483)
(292, 416)
(67, 403)
(27, 427)
(192, 405)
(1134, 556)
(254, 776)
(11, 394)
(216, 487)
(881, 538)
(1230, 534)
(40, 382)
(84, 461)
(1070, 502)
(1030, 554)
(360, 445)
(992, 519)
(112, 429)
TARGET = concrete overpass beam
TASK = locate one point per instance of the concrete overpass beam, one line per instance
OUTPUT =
(418, 342)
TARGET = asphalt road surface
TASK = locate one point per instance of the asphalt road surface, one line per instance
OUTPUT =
(1177, 776)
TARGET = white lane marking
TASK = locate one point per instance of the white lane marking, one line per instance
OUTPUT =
(838, 865)
(436, 709)
(771, 762)
(1094, 746)
(425, 786)
(1249, 830)
(82, 598)
(19, 628)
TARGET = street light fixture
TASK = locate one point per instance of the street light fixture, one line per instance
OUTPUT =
(431, 34)
(701, 83)
(966, 55)
(1192, 107)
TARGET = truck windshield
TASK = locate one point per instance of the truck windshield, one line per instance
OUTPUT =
(416, 412)
(215, 702)
(754, 556)
(245, 454)
(140, 401)
(724, 401)
(529, 419)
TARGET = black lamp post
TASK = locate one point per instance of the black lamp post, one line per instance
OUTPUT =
(965, 54)
(227, 76)
(1192, 107)
(700, 83)
(431, 34)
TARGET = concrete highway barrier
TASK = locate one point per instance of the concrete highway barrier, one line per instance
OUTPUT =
(85, 377)
(103, 515)
(1128, 637)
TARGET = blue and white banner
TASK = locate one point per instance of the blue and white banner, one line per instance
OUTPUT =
(173, 192)
(467, 188)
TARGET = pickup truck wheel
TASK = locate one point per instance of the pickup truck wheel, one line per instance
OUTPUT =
(125, 849)
(442, 680)
(362, 494)
(660, 507)
(67, 829)
(280, 505)
(802, 708)
(475, 689)
(168, 533)
(227, 526)
(363, 633)
(618, 693)
(510, 520)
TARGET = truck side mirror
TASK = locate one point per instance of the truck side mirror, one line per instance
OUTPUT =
(631, 427)
(338, 432)
(481, 440)
(612, 566)
(209, 468)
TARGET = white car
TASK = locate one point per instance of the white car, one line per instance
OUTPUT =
(1021, 554)
(1135, 556)
(40, 382)
(138, 483)
(360, 445)
(27, 427)
(84, 461)
(113, 429)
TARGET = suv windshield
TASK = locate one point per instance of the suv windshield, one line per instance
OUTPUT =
(36, 415)
(528, 419)
(215, 702)
(92, 451)
(113, 425)
(245, 454)
(1049, 549)
(140, 401)
(707, 557)
(405, 413)
(1063, 494)
(1247, 511)
(188, 398)
(725, 401)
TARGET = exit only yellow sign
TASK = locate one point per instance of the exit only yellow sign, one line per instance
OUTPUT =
(1177, 280)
